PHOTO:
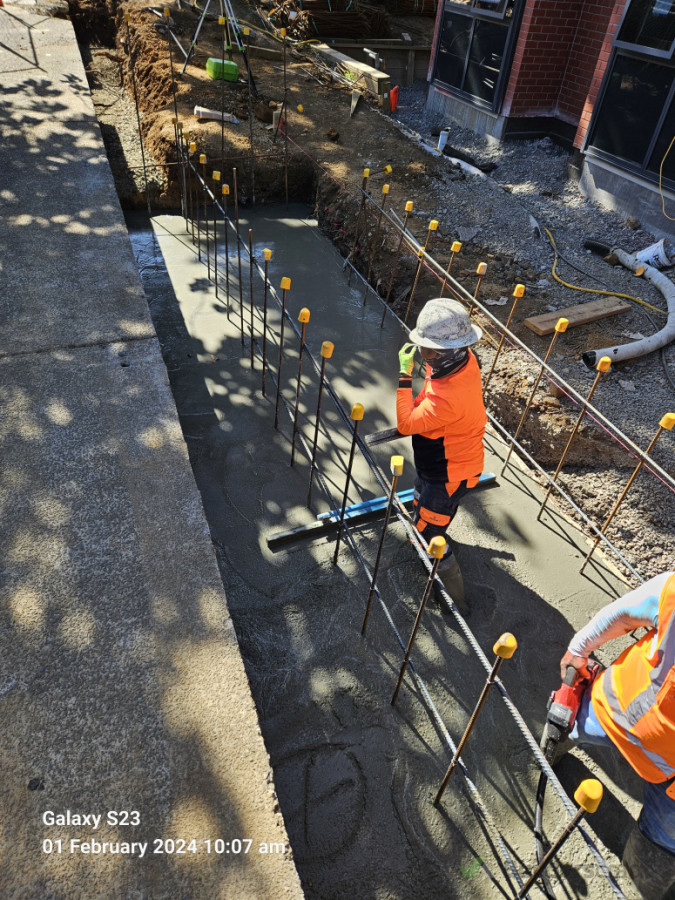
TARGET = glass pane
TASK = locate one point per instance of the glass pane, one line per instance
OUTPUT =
(452, 50)
(649, 23)
(631, 107)
(485, 59)
(661, 147)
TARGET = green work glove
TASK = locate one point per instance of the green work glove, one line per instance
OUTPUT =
(406, 359)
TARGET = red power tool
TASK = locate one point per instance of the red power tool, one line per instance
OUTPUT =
(564, 703)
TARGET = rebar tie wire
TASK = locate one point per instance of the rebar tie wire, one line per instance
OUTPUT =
(404, 517)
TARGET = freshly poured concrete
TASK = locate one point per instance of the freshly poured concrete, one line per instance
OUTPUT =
(355, 776)
(122, 689)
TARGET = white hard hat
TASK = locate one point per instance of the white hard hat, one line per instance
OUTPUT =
(444, 324)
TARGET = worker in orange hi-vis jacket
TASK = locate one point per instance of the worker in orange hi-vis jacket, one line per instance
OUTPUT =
(446, 420)
(631, 706)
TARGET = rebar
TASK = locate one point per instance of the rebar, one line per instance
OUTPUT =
(364, 195)
(396, 471)
(206, 216)
(326, 352)
(408, 210)
(371, 257)
(267, 255)
(356, 416)
(225, 192)
(250, 122)
(303, 318)
(433, 225)
(236, 226)
(216, 177)
(285, 285)
(518, 292)
(454, 250)
(250, 281)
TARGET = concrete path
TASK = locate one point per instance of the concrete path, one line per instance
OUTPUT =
(132, 760)
(355, 776)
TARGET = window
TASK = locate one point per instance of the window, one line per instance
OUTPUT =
(649, 25)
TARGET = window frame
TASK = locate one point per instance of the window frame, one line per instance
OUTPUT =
(641, 49)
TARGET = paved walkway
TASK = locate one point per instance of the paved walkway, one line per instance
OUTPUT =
(123, 697)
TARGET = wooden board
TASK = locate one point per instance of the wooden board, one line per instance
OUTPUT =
(577, 315)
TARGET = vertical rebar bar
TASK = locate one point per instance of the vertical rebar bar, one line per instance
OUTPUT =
(518, 292)
(364, 185)
(396, 470)
(127, 19)
(371, 257)
(454, 250)
(504, 648)
(666, 423)
(225, 193)
(222, 21)
(206, 216)
(433, 225)
(480, 271)
(303, 318)
(268, 256)
(436, 549)
(236, 225)
(326, 352)
(284, 117)
(193, 188)
(408, 210)
(202, 160)
(250, 120)
(285, 286)
(603, 366)
(560, 327)
(356, 416)
(250, 284)
(216, 177)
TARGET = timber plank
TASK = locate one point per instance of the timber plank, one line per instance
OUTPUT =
(580, 314)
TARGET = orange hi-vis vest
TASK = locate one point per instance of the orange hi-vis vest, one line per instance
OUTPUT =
(634, 699)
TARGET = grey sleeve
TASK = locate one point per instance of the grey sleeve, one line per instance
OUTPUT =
(637, 608)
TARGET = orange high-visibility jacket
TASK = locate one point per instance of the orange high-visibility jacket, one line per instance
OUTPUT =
(447, 420)
(634, 699)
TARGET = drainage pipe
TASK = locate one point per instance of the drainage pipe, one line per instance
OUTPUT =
(622, 352)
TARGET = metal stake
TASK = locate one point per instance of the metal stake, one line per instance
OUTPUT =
(433, 225)
(480, 271)
(236, 224)
(518, 292)
(202, 160)
(588, 795)
(250, 282)
(206, 215)
(250, 121)
(436, 550)
(385, 194)
(326, 352)
(285, 117)
(285, 286)
(193, 189)
(216, 177)
(666, 423)
(268, 256)
(408, 210)
(603, 366)
(303, 318)
(356, 416)
(396, 463)
(225, 194)
(505, 647)
(560, 327)
(454, 250)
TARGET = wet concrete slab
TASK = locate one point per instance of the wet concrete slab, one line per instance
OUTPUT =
(123, 697)
(355, 776)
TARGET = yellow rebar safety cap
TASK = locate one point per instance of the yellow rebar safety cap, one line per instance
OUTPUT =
(396, 465)
(668, 421)
(433, 225)
(193, 147)
(366, 173)
(303, 316)
(456, 246)
(202, 158)
(221, 20)
(267, 253)
(225, 190)
(561, 325)
(482, 268)
(436, 547)
(285, 283)
(167, 12)
(604, 364)
(519, 290)
(589, 794)
(385, 188)
(357, 412)
(388, 169)
(300, 108)
(327, 349)
(409, 206)
(215, 175)
(247, 31)
(506, 646)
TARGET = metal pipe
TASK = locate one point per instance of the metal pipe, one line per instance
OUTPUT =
(326, 352)
(303, 318)
(505, 647)
(356, 416)
(602, 367)
(268, 256)
(436, 549)
(518, 292)
(433, 225)
(285, 285)
(236, 225)
(396, 470)
(408, 210)
(454, 250)
(560, 327)
(250, 282)
(385, 194)
(666, 423)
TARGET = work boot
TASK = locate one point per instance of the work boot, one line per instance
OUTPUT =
(449, 573)
(651, 868)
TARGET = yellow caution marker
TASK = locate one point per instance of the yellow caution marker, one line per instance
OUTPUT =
(225, 190)
(356, 416)
(303, 316)
(504, 648)
(215, 175)
(385, 188)
(519, 291)
(357, 412)
(561, 325)
(396, 464)
(409, 206)
(221, 20)
(202, 158)
(366, 173)
(436, 551)
(588, 796)
(300, 108)
(387, 170)
(666, 424)
(433, 225)
(267, 254)
(327, 349)
(285, 284)
(167, 12)
(193, 147)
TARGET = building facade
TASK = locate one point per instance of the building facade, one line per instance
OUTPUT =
(596, 75)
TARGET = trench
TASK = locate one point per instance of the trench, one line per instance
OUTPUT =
(355, 776)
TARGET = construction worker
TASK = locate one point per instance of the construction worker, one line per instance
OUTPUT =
(446, 420)
(631, 705)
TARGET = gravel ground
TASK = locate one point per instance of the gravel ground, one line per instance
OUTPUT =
(536, 175)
